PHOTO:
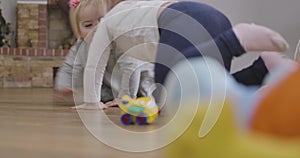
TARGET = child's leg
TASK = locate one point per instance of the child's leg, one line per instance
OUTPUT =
(267, 62)
(252, 75)
(259, 38)
(194, 39)
(183, 25)
(253, 38)
(226, 46)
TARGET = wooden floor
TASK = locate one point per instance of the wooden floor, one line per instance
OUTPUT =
(34, 125)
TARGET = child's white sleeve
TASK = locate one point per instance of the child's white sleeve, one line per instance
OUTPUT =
(130, 79)
(64, 74)
(96, 63)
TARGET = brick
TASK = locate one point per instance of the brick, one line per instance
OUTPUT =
(8, 62)
(44, 82)
(23, 13)
(23, 51)
(18, 50)
(42, 44)
(40, 52)
(49, 52)
(52, 2)
(42, 37)
(11, 51)
(42, 15)
(16, 82)
(42, 8)
(1, 63)
(5, 51)
(34, 13)
(43, 30)
(3, 71)
(31, 52)
(20, 70)
(48, 72)
(33, 24)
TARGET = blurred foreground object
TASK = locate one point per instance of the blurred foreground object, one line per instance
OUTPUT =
(278, 113)
(222, 105)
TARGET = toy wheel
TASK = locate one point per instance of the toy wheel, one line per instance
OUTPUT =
(152, 118)
(141, 120)
(127, 119)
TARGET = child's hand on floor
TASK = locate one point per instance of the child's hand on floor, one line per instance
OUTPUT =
(90, 106)
(62, 92)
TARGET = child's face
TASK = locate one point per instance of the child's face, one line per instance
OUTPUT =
(89, 19)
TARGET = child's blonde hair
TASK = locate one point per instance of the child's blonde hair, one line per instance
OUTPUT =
(80, 5)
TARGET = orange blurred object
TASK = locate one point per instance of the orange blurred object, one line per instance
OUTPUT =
(279, 112)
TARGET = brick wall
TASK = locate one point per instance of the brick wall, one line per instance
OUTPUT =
(38, 55)
(28, 71)
(41, 52)
(42, 26)
(32, 25)
(59, 31)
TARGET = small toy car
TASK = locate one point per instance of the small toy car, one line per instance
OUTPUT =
(142, 110)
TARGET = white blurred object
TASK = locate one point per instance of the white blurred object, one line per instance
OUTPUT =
(203, 81)
(297, 51)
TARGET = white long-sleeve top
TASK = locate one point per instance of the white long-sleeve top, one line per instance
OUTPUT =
(136, 74)
(131, 28)
(76, 60)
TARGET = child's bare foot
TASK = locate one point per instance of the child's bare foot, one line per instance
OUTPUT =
(114, 102)
(274, 59)
(90, 106)
(259, 38)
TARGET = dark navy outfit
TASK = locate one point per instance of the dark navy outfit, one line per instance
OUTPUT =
(194, 29)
